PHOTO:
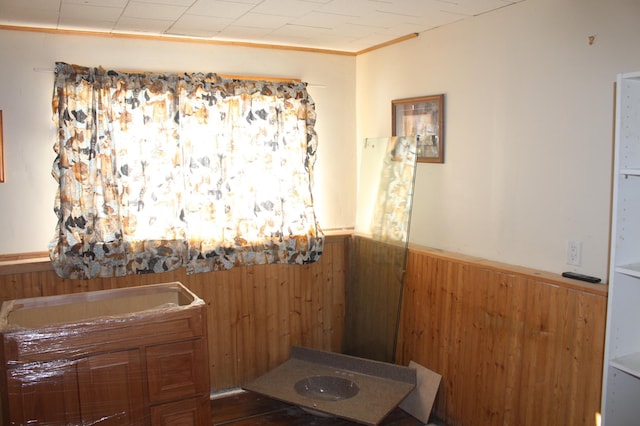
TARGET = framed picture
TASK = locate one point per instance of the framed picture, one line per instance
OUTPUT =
(422, 117)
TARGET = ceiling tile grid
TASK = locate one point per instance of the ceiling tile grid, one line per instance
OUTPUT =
(341, 25)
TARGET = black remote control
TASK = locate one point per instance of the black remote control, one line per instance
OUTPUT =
(581, 277)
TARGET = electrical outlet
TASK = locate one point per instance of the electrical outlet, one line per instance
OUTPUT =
(574, 253)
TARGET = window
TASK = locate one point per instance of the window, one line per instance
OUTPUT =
(159, 171)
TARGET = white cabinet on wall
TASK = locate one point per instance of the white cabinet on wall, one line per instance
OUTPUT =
(621, 384)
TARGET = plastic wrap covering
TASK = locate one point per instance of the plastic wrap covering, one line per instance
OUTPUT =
(115, 357)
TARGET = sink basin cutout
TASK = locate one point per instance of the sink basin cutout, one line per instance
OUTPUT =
(328, 384)
(326, 388)
(107, 305)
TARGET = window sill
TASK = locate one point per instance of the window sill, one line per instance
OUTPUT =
(24, 263)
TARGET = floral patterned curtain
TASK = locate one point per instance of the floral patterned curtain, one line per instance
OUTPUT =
(159, 171)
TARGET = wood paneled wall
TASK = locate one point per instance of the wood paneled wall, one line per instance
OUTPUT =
(254, 314)
(514, 347)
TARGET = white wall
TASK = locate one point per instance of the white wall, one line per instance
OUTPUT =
(529, 116)
(26, 198)
(528, 131)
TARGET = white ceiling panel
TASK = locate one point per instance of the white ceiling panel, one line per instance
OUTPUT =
(292, 30)
(104, 3)
(39, 13)
(291, 8)
(351, 7)
(164, 12)
(84, 12)
(254, 2)
(259, 20)
(199, 26)
(44, 5)
(222, 9)
(472, 7)
(143, 26)
(341, 25)
(239, 33)
(381, 19)
(323, 20)
(152, 3)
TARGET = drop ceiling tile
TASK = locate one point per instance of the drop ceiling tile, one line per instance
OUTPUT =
(28, 17)
(199, 26)
(104, 3)
(129, 24)
(322, 19)
(292, 8)
(168, 2)
(284, 40)
(142, 10)
(416, 8)
(407, 28)
(222, 9)
(85, 25)
(292, 30)
(353, 31)
(472, 7)
(244, 1)
(351, 7)
(272, 21)
(29, 12)
(25, 5)
(382, 19)
(400, 30)
(329, 42)
(235, 32)
(435, 19)
(90, 13)
(259, 20)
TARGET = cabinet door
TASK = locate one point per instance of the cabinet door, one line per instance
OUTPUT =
(111, 389)
(43, 394)
(175, 370)
(188, 412)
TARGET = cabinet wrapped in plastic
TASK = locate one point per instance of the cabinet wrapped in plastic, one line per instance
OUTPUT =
(134, 356)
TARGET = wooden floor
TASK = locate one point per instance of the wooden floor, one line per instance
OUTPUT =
(249, 409)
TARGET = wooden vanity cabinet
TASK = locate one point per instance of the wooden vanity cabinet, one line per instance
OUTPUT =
(145, 364)
(45, 391)
(111, 388)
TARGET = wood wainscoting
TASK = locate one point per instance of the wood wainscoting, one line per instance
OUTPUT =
(514, 346)
(254, 314)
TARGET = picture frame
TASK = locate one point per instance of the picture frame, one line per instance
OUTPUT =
(421, 116)
(1, 151)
